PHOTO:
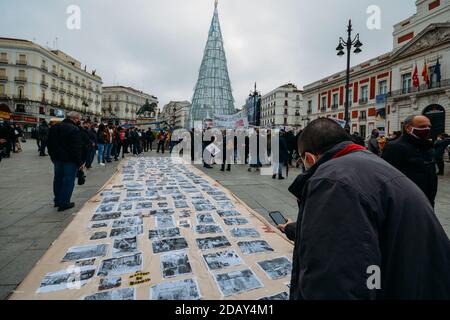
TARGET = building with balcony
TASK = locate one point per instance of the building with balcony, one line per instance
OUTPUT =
(37, 83)
(282, 107)
(122, 103)
(176, 114)
(382, 93)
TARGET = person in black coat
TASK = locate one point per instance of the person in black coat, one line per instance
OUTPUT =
(373, 145)
(441, 143)
(413, 155)
(43, 131)
(364, 230)
(65, 150)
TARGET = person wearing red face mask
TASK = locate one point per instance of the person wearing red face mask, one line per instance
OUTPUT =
(413, 155)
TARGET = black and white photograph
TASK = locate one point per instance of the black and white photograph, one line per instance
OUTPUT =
(165, 245)
(106, 216)
(125, 206)
(203, 205)
(143, 205)
(85, 262)
(244, 233)
(181, 204)
(163, 233)
(86, 252)
(175, 264)
(164, 222)
(185, 214)
(235, 221)
(124, 247)
(279, 296)
(276, 268)
(109, 193)
(177, 290)
(109, 283)
(98, 225)
(184, 223)
(69, 278)
(162, 212)
(225, 205)
(228, 213)
(178, 196)
(126, 231)
(220, 198)
(236, 282)
(163, 205)
(112, 199)
(127, 222)
(208, 228)
(212, 243)
(134, 194)
(255, 246)
(99, 235)
(118, 294)
(205, 218)
(106, 207)
(121, 265)
(222, 259)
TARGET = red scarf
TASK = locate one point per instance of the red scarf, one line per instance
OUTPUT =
(348, 149)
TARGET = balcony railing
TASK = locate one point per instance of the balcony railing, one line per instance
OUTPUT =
(422, 88)
(70, 93)
(3, 96)
(3, 78)
(21, 62)
(83, 85)
(3, 61)
(363, 101)
(20, 97)
(334, 106)
(77, 82)
(20, 79)
(62, 90)
(323, 109)
(44, 67)
(44, 101)
(54, 72)
(362, 118)
(44, 84)
(54, 88)
(70, 79)
(77, 96)
(62, 76)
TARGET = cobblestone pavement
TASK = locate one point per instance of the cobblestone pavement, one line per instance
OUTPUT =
(29, 224)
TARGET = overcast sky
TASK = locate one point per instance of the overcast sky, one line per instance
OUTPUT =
(157, 45)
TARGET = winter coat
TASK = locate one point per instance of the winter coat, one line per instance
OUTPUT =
(415, 158)
(64, 142)
(43, 132)
(357, 213)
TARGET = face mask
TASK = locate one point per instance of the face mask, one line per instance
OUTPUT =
(421, 133)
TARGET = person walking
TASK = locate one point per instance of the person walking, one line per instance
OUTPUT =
(227, 147)
(440, 145)
(150, 138)
(364, 230)
(108, 142)
(101, 141)
(161, 141)
(413, 155)
(43, 132)
(117, 141)
(64, 148)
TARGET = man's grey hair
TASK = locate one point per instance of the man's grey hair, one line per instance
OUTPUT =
(73, 114)
(409, 120)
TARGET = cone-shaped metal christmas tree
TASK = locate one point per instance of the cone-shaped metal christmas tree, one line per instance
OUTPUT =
(213, 94)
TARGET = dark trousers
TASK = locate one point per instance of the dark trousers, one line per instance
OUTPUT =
(150, 145)
(42, 147)
(161, 145)
(64, 182)
(136, 148)
(117, 151)
(90, 157)
(440, 165)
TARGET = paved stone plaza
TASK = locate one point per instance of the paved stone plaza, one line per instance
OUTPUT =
(29, 223)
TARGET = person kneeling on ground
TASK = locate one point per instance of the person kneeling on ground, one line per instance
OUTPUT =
(357, 215)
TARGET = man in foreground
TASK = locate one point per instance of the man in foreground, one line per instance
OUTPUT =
(357, 215)
(64, 148)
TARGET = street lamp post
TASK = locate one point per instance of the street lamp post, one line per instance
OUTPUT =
(349, 44)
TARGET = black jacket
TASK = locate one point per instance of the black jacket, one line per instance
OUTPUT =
(43, 132)
(64, 142)
(373, 145)
(357, 211)
(440, 146)
(415, 158)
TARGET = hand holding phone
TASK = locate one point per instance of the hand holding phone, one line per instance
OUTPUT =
(278, 218)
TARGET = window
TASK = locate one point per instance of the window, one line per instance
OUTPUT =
(350, 97)
(20, 108)
(364, 93)
(286, 95)
(382, 87)
(2, 89)
(41, 110)
(21, 73)
(4, 57)
(3, 72)
(335, 100)
(285, 103)
(286, 111)
(363, 115)
(309, 106)
(20, 91)
(324, 102)
(406, 83)
(298, 98)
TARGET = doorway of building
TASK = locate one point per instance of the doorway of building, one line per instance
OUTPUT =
(436, 114)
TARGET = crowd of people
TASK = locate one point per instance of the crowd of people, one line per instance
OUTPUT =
(11, 136)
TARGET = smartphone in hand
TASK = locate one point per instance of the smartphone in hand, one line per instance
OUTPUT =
(278, 217)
